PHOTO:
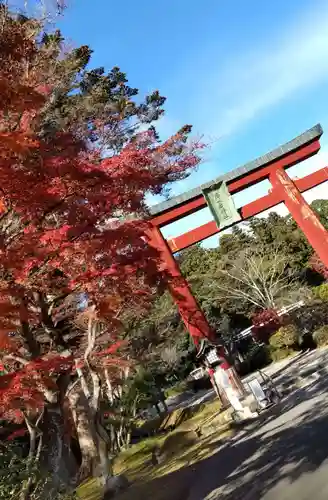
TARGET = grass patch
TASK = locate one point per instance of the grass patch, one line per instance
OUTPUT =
(90, 490)
(173, 420)
(168, 481)
(201, 414)
(180, 448)
(176, 390)
(136, 462)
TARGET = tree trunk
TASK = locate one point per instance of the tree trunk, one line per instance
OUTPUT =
(24, 493)
(57, 456)
(92, 441)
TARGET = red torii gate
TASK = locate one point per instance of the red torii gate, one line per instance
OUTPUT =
(270, 166)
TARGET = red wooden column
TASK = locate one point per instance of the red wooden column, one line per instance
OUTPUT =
(302, 213)
(191, 314)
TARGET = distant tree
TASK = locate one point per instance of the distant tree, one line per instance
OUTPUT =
(261, 280)
(281, 233)
(196, 259)
(229, 308)
(231, 244)
(321, 207)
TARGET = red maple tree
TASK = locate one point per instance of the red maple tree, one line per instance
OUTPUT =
(265, 323)
(317, 265)
(72, 225)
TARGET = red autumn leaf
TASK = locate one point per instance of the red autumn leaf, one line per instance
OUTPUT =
(72, 220)
(112, 349)
(317, 265)
(16, 434)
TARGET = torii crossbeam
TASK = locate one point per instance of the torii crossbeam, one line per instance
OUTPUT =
(271, 166)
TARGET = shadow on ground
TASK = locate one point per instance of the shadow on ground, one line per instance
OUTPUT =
(266, 459)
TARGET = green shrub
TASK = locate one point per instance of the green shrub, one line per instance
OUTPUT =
(321, 292)
(285, 337)
(283, 341)
(257, 357)
(279, 354)
(320, 336)
(14, 473)
(177, 389)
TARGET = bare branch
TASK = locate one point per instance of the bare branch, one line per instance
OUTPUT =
(258, 278)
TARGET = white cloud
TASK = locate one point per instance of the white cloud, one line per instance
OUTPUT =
(258, 80)
(253, 81)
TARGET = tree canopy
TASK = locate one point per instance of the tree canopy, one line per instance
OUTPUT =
(75, 170)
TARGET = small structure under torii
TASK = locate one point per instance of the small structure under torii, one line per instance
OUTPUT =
(271, 166)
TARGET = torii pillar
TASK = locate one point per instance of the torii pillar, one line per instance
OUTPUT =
(190, 312)
(270, 166)
(302, 213)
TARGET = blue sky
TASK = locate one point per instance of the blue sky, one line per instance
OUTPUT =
(248, 75)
